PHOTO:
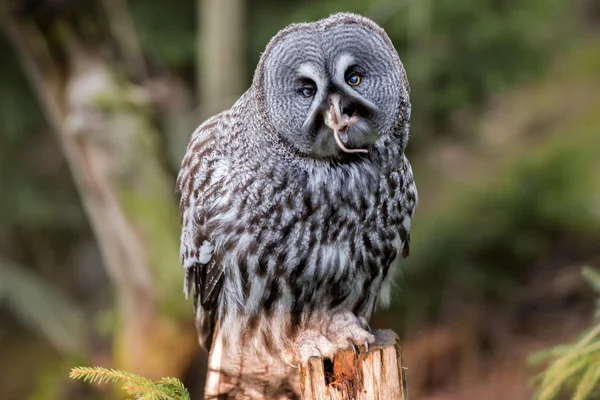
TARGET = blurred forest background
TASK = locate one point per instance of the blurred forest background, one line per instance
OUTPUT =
(98, 99)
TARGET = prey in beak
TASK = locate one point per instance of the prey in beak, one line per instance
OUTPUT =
(339, 122)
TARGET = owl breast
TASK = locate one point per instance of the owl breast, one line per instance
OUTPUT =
(296, 245)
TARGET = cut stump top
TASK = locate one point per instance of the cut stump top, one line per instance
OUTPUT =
(377, 374)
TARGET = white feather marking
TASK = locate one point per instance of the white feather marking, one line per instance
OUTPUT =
(406, 223)
(206, 252)
(310, 71)
(397, 242)
(336, 256)
(342, 64)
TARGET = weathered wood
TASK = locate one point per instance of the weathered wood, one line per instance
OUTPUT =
(376, 374)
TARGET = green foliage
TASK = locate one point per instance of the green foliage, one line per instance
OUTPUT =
(134, 385)
(145, 190)
(167, 30)
(484, 237)
(574, 367)
(14, 96)
(37, 192)
(593, 278)
(462, 52)
(41, 307)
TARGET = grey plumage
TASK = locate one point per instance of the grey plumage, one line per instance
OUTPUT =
(287, 240)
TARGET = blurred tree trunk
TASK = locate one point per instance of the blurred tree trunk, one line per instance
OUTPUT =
(220, 54)
(103, 126)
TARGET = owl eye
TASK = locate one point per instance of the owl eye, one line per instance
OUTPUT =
(353, 79)
(308, 91)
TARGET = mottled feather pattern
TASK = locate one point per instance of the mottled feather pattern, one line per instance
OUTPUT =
(262, 217)
(292, 239)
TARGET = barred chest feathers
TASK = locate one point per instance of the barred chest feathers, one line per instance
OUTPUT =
(297, 243)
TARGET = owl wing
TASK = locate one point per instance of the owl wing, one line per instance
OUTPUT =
(203, 271)
(408, 203)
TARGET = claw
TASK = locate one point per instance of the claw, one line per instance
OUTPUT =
(354, 349)
(366, 346)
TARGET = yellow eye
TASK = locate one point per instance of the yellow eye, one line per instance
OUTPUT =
(353, 79)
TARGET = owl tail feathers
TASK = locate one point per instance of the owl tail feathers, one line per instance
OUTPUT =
(225, 369)
(213, 378)
(206, 323)
(234, 372)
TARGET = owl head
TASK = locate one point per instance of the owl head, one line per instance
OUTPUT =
(340, 70)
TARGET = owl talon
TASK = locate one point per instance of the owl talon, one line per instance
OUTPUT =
(355, 349)
(312, 343)
(366, 346)
(292, 365)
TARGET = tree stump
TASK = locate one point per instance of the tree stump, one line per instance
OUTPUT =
(376, 374)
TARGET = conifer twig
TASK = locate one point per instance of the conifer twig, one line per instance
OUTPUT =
(134, 385)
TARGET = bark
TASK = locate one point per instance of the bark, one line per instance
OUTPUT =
(377, 374)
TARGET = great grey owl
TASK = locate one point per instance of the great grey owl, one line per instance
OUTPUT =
(294, 204)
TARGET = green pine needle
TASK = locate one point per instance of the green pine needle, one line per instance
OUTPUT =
(588, 382)
(548, 354)
(555, 379)
(593, 278)
(135, 385)
(573, 367)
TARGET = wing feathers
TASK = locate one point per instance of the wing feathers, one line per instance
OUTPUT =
(203, 273)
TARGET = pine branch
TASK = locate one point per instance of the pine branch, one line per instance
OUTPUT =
(106, 375)
(134, 385)
(575, 355)
(588, 383)
(574, 366)
(549, 354)
(552, 384)
(593, 277)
